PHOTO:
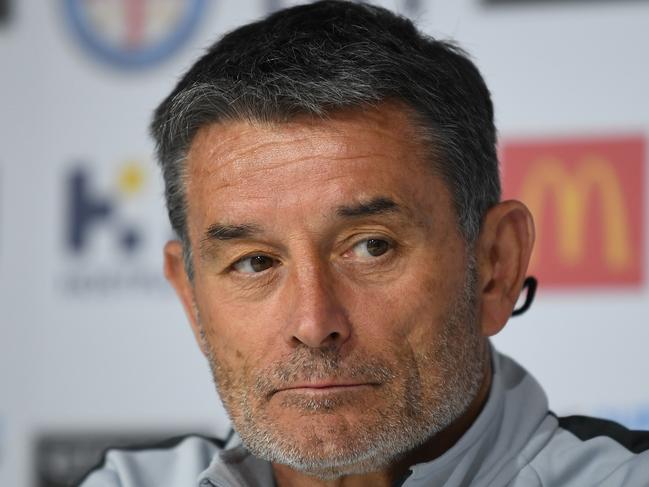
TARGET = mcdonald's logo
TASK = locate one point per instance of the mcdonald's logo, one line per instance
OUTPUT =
(587, 198)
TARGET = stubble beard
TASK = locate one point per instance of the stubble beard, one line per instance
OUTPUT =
(430, 400)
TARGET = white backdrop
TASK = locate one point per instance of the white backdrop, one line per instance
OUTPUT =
(92, 341)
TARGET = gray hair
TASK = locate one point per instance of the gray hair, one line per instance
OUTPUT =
(331, 55)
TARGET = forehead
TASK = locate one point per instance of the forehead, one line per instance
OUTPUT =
(239, 166)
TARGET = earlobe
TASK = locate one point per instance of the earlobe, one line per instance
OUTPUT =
(504, 249)
(174, 271)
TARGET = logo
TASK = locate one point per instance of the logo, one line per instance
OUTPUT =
(88, 210)
(134, 33)
(587, 199)
(114, 228)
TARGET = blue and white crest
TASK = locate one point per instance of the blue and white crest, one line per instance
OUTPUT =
(134, 33)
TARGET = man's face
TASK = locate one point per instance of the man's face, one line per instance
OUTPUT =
(335, 294)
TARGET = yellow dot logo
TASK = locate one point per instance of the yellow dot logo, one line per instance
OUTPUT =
(131, 178)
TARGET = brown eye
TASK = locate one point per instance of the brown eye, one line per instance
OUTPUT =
(260, 263)
(254, 264)
(376, 247)
(372, 247)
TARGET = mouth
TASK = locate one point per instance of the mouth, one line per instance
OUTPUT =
(324, 388)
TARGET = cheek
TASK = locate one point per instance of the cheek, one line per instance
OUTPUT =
(234, 332)
(410, 308)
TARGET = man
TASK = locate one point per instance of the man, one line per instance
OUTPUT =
(343, 257)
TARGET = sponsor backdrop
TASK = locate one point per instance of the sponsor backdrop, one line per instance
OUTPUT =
(94, 348)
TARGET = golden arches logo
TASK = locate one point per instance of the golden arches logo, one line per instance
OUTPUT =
(572, 192)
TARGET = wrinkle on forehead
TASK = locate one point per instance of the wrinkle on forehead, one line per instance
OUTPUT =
(243, 166)
(228, 145)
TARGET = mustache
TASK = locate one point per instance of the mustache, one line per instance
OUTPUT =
(308, 364)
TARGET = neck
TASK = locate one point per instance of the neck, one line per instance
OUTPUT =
(430, 450)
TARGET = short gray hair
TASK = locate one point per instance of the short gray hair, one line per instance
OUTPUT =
(331, 55)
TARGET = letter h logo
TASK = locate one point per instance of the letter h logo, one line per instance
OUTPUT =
(89, 211)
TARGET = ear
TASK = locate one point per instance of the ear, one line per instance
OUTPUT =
(176, 274)
(503, 249)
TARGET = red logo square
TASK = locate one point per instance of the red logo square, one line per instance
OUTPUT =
(587, 198)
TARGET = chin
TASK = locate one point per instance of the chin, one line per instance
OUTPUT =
(331, 446)
(333, 465)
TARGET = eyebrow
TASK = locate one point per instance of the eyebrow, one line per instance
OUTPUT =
(376, 206)
(221, 232)
(218, 232)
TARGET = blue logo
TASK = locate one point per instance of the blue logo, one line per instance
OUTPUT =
(134, 33)
(87, 211)
(113, 229)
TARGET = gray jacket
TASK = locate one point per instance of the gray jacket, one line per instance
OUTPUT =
(515, 441)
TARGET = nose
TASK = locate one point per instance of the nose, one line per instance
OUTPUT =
(316, 317)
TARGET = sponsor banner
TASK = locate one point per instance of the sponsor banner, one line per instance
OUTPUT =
(113, 228)
(133, 33)
(62, 459)
(587, 198)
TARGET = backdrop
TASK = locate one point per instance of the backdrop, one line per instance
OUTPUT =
(94, 347)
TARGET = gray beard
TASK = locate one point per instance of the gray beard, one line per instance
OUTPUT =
(457, 358)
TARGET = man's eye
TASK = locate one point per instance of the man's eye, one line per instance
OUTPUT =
(253, 264)
(372, 247)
